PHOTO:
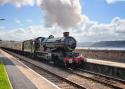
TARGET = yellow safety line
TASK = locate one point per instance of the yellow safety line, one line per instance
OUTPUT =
(7, 76)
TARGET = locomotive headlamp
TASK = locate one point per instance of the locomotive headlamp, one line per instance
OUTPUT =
(70, 60)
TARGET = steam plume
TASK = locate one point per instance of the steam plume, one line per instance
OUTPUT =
(64, 13)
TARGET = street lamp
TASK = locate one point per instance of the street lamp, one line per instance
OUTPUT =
(2, 19)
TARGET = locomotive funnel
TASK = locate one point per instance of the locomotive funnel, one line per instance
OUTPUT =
(66, 34)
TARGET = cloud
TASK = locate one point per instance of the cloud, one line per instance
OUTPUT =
(93, 31)
(18, 21)
(2, 27)
(86, 31)
(18, 3)
(29, 21)
(64, 13)
(113, 1)
(30, 32)
(119, 25)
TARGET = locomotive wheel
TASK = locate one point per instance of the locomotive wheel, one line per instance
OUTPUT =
(59, 63)
(72, 65)
(55, 62)
(33, 55)
(82, 64)
(67, 65)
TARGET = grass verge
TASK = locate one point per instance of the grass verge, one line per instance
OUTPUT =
(4, 82)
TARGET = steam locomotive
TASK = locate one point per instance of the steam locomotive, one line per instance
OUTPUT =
(59, 50)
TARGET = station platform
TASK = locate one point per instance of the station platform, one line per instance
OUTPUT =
(21, 76)
(106, 63)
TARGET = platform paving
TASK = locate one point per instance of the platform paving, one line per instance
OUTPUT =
(22, 77)
(17, 78)
(107, 63)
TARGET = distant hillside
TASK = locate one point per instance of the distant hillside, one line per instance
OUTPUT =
(102, 44)
(85, 44)
(109, 44)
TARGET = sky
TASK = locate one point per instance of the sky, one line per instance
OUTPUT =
(86, 20)
(102, 11)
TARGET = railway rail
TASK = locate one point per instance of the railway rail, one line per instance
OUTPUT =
(73, 79)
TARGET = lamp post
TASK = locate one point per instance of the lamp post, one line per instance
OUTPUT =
(2, 19)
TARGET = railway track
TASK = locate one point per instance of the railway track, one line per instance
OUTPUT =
(74, 82)
(113, 79)
(106, 80)
(68, 79)
(59, 81)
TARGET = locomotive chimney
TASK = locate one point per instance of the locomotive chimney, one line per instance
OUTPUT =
(66, 34)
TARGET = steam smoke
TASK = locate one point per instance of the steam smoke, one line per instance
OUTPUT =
(64, 13)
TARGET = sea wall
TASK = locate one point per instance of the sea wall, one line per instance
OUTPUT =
(110, 55)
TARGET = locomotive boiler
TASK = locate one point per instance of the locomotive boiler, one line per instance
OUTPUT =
(65, 43)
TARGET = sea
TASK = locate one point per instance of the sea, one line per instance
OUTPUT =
(103, 48)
